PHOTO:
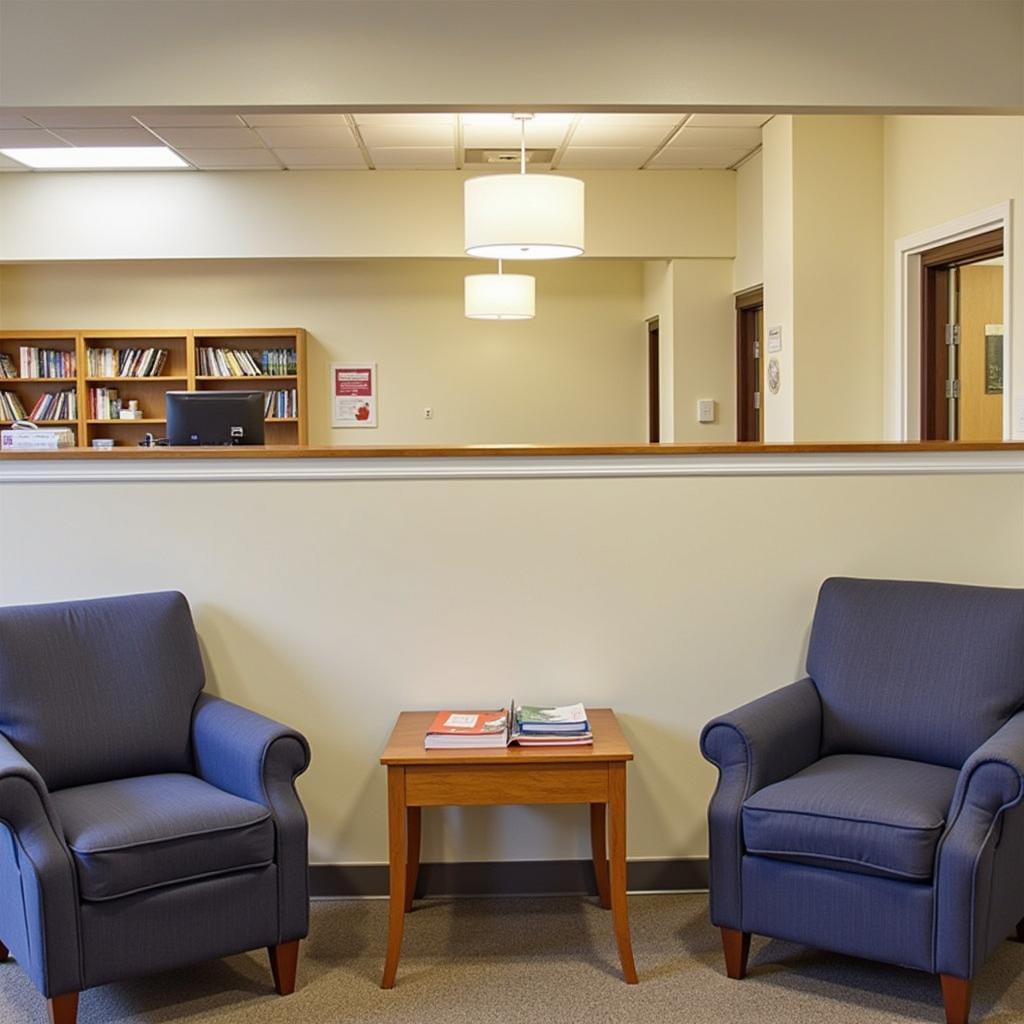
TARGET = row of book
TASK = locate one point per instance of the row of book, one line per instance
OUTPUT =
(37, 362)
(105, 404)
(526, 726)
(281, 404)
(60, 405)
(240, 362)
(127, 362)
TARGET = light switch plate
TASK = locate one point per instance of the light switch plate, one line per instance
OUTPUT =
(706, 410)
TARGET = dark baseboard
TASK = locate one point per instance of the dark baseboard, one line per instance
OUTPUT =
(507, 878)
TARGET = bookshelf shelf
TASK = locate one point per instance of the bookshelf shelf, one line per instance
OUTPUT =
(178, 367)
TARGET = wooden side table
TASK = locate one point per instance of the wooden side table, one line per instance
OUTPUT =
(594, 775)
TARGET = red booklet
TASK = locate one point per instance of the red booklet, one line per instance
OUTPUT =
(468, 729)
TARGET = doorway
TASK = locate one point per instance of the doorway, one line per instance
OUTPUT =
(749, 365)
(653, 382)
(962, 339)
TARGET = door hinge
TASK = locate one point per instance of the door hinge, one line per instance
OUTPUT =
(757, 350)
(757, 399)
(952, 388)
(952, 334)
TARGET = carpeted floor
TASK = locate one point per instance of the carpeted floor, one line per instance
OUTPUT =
(504, 961)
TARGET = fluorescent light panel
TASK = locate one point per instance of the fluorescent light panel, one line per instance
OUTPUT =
(97, 158)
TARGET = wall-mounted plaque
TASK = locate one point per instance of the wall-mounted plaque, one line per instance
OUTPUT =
(993, 359)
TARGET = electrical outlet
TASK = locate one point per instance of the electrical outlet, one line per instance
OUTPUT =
(428, 413)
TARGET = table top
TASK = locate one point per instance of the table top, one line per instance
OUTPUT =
(405, 745)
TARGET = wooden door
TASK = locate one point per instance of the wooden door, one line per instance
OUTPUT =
(749, 365)
(653, 381)
(981, 360)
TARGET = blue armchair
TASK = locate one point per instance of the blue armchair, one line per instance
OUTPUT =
(144, 825)
(874, 808)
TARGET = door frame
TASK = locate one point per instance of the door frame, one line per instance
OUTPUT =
(747, 304)
(653, 380)
(903, 400)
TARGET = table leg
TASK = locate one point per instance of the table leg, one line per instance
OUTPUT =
(397, 854)
(412, 864)
(599, 852)
(617, 837)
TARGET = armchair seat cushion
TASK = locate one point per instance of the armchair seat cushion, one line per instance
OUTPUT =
(870, 815)
(142, 833)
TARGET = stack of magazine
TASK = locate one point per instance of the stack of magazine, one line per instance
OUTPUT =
(527, 726)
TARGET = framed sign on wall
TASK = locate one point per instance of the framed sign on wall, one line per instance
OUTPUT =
(353, 394)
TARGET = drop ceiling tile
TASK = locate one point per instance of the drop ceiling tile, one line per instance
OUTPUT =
(506, 136)
(184, 119)
(619, 135)
(329, 137)
(296, 120)
(411, 119)
(728, 120)
(108, 136)
(82, 117)
(28, 138)
(636, 120)
(230, 159)
(321, 157)
(413, 157)
(716, 138)
(10, 121)
(212, 138)
(408, 135)
(704, 158)
(604, 156)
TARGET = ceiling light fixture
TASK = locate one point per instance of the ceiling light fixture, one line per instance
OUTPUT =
(500, 296)
(524, 216)
(98, 158)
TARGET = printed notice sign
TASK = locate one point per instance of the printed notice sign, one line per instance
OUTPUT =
(353, 394)
(775, 339)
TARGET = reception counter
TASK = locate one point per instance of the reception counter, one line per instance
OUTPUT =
(334, 587)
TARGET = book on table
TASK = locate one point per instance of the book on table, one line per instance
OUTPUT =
(527, 726)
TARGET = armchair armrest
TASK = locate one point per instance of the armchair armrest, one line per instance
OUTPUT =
(38, 885)
(991, 784)
(258, 759)
(762, 742)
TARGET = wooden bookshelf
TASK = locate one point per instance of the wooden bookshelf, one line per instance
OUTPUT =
(179, 373)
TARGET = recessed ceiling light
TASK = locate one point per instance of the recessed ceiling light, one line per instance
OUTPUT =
(97, 158)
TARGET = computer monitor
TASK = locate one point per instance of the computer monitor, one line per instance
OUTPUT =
(214, 417)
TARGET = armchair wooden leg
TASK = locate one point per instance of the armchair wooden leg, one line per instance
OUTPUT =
(63, 1009)
(956, 994)
(736, 946)
(5, 954)
(284, 961)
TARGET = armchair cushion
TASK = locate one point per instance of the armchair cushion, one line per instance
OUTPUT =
(870, 815)
(925, 671)
(99, 690)
(141, 833)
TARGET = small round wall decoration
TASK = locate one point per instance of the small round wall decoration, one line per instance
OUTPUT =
(773, 376)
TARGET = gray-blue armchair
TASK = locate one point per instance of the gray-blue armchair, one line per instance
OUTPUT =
(874, 808)
(144, 825)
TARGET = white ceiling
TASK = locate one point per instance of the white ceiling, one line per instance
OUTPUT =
(279, 141)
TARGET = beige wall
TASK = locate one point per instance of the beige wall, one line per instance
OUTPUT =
(660, 597)
(685, 54)
(704, 361)
(338, 214)
(659, 302)
(577, 373)
(938, 169)
(779, 273)
(837, 285)
(747, 268)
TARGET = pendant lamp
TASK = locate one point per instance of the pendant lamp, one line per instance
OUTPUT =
(500, 296)
(524, 216)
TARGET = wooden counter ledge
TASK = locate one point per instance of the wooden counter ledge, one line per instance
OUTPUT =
(498, 451)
